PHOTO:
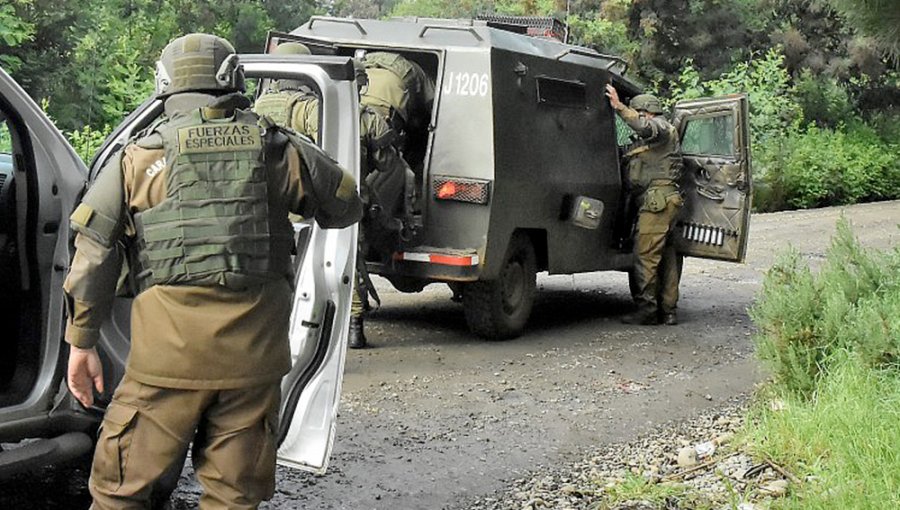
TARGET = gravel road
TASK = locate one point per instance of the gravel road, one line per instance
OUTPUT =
(434, 418)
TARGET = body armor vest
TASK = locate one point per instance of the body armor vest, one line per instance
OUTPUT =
(392, 79)
(218, 224)
(657, 163)
(296, 109)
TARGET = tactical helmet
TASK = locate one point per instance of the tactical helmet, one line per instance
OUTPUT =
(289, 48)
(292, 48)
(647, 103)
(198, 62)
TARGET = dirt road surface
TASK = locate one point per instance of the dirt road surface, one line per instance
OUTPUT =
(432, 417)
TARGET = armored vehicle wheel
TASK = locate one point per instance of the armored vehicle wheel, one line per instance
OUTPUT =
(498, 309)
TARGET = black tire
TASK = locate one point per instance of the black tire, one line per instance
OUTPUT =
(498, 309)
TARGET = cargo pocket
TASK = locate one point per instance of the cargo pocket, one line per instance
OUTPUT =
(113, 446)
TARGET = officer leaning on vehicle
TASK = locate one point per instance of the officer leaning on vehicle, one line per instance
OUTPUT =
(654, 170)
(384, 172)
(198, 203)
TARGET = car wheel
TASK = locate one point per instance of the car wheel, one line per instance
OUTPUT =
(498, 309)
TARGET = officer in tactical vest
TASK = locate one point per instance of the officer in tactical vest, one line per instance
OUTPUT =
(654, 171)
(290, 103)
(398, 89)
(197, 204)
(384, 172)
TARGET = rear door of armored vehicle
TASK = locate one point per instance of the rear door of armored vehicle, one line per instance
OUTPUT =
(717, 182)
(324, 269)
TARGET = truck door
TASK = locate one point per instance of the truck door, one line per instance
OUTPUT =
(325, 263)
(41, 178)
(717, 182)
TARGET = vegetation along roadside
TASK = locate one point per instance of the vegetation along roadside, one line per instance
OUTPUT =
(822, 75)
(820, 434)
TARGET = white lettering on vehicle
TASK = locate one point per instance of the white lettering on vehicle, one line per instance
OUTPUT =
(467, 84)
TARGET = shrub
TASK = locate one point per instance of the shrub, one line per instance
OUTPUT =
(816, 167)
(852, 304)
(823, 100)
(87, 140)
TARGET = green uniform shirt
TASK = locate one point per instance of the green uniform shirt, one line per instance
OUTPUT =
(184, 336)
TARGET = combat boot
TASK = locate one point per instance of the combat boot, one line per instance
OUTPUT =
(670, 319)
(642, 317)
(357, 337)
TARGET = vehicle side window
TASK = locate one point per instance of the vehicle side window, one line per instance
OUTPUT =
(710, 136)
(623, 132)
(564, 93)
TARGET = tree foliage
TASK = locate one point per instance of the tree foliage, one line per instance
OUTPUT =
(817, 71)
(879, 19)
(14, 30)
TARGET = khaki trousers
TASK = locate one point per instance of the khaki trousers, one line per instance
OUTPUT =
(146, 432)
(657, 264)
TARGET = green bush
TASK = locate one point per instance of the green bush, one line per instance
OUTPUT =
(87, 140)
(852, 304)
(823, 100)
(816, 167)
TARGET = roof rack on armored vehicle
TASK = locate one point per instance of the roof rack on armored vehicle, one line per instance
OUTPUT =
(533, 26)
(436, 34)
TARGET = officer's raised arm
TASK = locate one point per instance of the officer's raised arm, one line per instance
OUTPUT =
(641, 124)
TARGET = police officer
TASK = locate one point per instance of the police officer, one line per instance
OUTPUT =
(290, 103)
(384, 171)
(198, 205)
(654, 171)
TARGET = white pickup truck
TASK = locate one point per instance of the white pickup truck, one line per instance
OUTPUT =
(41, 181)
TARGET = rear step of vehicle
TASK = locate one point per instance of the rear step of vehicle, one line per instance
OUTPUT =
(44, 452)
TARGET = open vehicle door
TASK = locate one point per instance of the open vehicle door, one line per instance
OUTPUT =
(41, 179)
(715, 142)
(325, 264)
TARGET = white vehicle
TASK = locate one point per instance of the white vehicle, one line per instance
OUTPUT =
(41, 181)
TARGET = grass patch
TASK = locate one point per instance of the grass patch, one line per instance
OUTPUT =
(659, 495)
(832, 341)
(843, 441)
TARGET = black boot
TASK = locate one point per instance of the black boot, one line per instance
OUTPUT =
(644, 316)
(670, 319)
(357, 337)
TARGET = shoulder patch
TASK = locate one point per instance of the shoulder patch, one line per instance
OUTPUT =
(151, 141)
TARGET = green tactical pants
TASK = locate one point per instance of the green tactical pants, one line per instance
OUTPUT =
(146, 431)
(657, 265)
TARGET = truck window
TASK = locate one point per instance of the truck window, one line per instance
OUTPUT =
(710, 136)
(623, 132)
(564, 93)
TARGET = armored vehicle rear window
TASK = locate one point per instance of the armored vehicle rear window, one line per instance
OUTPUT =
(565, 93)
(710, 136)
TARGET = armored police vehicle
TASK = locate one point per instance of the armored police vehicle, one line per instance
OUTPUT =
(519, 167)
(41, 180)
